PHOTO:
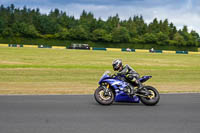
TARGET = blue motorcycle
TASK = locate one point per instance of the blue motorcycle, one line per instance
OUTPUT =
(113, 88)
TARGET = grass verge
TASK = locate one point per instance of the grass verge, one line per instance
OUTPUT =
(61, 71)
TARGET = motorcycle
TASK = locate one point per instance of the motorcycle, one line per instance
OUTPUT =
(113, 89)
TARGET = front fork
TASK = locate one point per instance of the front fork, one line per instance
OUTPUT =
(106, 90)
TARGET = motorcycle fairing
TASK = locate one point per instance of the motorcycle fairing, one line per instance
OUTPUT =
(145, 78)
(119, 86)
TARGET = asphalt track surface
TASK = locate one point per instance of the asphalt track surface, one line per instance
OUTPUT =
(176, 113)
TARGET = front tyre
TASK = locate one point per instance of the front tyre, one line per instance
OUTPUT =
(101, 98)
(151, 99)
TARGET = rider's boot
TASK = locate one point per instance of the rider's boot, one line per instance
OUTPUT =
(141, 89)
(140, 86)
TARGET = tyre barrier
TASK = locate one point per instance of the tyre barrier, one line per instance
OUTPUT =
(15, 45)
(3, 45)
(113, 49)
(103, 49)
(197, 53)
(30, 46)
(142, 51)
(59, 47)
(181, 52)
(168, 52)
(156, 51)
(44, 46)
(127, 50)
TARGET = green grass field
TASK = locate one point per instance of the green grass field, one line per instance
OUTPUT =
(61, 71)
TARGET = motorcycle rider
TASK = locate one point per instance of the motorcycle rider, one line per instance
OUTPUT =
(130, 74)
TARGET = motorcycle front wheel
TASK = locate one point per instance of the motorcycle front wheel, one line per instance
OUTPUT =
(103, 99)
(151, 99)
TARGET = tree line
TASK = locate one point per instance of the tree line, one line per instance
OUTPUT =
(30, 23)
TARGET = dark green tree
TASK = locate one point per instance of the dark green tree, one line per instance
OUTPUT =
(63, 34)
(179, 39)
(78, 33)
(30, 23)
(120, 34)
(162, 38)
(99, 35)
(7, 32)
(150, 38)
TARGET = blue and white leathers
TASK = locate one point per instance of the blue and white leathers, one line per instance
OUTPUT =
(118, 86)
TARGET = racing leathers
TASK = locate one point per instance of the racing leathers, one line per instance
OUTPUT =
(131, 76)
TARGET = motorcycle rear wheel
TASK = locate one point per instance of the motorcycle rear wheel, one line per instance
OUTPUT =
(101, 98)
(152, 99)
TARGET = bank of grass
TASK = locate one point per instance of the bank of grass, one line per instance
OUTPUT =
(61, 71)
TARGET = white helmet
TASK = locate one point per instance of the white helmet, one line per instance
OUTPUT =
(117, 64)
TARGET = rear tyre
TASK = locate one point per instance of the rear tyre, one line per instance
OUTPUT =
(153, 98)
(101, 98)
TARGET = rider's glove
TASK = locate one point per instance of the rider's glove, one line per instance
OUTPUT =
(129, 76)
(119, 74)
